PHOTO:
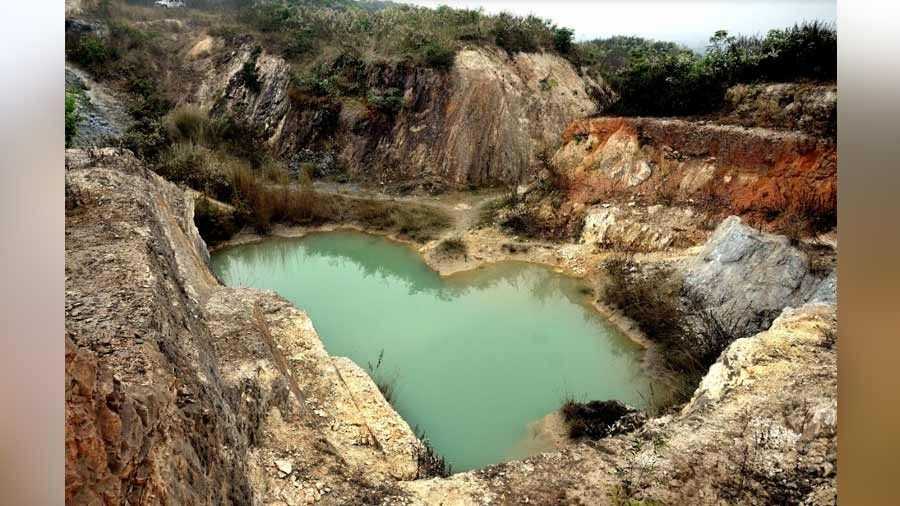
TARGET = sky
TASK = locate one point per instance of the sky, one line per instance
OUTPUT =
(688, 22)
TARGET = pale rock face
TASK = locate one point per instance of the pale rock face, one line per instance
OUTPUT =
(654, 228)
(747, 277)
(621, 160)
(485, 121)
(175, 392)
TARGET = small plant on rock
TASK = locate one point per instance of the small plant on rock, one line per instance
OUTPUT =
(429, 463)
(385, 386)
(453, 247)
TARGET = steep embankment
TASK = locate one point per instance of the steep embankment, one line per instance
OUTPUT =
(488, 120)
(752, 172)
(180, 390)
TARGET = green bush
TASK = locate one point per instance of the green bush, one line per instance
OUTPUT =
(438, 56)
(512, 35)
(389, 101)
(664, 80)
(249, 72)
(72, 117)
(90, 51)
(562, 40)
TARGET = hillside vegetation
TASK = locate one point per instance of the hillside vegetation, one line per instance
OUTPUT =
(663, 79)
(332, 46)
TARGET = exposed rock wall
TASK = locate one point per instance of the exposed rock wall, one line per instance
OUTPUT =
(102, 117)
(640, 229)
(752, 172)
(490, 119)
(175, 394)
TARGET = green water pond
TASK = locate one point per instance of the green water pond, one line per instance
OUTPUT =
(474, 358)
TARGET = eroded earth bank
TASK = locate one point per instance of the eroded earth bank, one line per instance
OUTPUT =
(180, 390)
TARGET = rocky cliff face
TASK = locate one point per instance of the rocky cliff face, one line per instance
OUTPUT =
(180, 390)
(491, 119)
(752, 172)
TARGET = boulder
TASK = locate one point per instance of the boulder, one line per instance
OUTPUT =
(746, 277)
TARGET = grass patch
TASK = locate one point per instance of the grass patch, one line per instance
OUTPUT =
(805, 214)
(429, 463)
(453, 247)
(385, 386)
(489, 211)
(690, 337)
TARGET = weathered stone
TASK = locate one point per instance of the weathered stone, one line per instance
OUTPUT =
(174, 392)
(488, 120)
(746, 277)
(630, 228)
(284, 466)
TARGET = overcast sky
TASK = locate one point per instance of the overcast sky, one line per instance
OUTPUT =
(688, 22)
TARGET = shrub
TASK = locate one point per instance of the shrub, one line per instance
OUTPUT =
(453, 247)
(438, 56)
(146, 138)
(511, 35)
(804, 213)
(186, 123)
(214, 224)
(660, 80)
(562, 39)
(389, 101)
(249, 73)
(72, 117)
(594, 419)
(185, 162)
(430, 464)
(90, 51)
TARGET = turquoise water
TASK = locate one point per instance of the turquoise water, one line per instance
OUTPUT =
(474, 358)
